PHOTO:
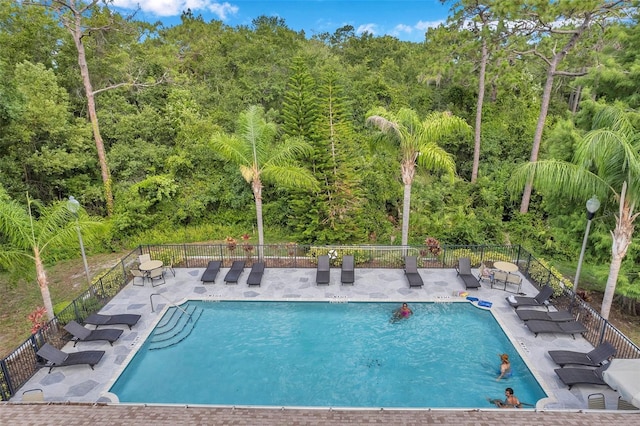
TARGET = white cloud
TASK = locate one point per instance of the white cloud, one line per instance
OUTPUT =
(424, 25)
(401, 28)
(176, 7)
(366, 28)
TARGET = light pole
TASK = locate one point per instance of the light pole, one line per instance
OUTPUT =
(74, 205)
(593, 204)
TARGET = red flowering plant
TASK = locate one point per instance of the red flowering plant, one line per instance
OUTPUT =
(231, 243)
(37, 319)
(433, 245)
(248, 248)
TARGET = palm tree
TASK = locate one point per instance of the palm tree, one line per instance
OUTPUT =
(26, 239)
(254, 151)
(418, 144)
(607, 164)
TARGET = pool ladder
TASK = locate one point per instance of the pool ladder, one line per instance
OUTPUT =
(170, 303)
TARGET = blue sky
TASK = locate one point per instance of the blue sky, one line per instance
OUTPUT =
(405, 19)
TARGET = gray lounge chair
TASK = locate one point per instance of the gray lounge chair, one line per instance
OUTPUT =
(323, 274)
(532, 314)
(125, 319)
(595, 401)
(83, 334)
(593, 359)
(56, 358)
(255, 276)
(237, 267)
(210, 274)
(539, 300)
(347, 275)
(411, 271)
(581, 376)
(464, 271)
(569, 327)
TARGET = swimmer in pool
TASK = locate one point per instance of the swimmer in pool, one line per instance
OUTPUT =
(510, 401)
(403, 312)
(505, 367)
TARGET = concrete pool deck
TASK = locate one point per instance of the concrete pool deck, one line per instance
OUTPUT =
(79, 384)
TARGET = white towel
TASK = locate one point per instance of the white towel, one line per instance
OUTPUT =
(512, 299)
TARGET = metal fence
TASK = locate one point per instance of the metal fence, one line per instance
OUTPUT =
(22, 363)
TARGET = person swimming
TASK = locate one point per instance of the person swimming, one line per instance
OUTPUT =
(510, 401)
(402, 312)
(505, 367)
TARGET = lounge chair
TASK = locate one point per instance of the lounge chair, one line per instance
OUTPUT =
(532, 314)
(539, 300)
(595, 401)
(347, 275)
(593, 359)
(33, 395)
(234, 273)
(569, 327)
(625, 405)
(56, 358)
(255, 276)
(323, 271)
(581, 376)
(125, 319)
(411, 271)
(464, 271)
(83, 334)
(210, 274)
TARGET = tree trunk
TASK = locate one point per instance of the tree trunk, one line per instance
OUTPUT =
(408, 172)
(42, 282)
(257, 194)
(481, 89)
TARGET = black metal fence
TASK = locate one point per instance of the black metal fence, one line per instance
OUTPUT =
(22, 363)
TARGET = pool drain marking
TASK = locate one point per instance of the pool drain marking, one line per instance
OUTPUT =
(523, 346)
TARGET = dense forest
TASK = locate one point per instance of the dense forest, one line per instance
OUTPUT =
(148, 127)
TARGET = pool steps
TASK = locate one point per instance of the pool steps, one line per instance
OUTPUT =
(175, 327)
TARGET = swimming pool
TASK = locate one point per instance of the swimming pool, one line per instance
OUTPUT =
(330, 354)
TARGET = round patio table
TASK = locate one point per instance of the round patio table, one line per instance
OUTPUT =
(503, 266)
(150, 265)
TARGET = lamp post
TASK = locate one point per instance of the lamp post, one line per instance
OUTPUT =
(74, 205)
(593, 204)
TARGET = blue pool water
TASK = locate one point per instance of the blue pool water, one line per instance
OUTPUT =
(330, 354)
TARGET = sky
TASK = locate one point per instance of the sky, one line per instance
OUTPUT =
(407, 20)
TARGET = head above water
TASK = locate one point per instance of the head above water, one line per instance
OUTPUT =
(504, 357)
(404, 305)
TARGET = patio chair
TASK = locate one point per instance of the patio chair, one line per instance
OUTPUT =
(144, 258)
(625, 405)
(33, 395)
(137, 273)
(538, 300)
(464, 271)
(595, 401)
(515, 280)
(255, 275)
(569, 327)
(411, 271)
(581, 376)
(156, 274)
(499, 278)
(532, 314)
(323, 270)
(169, 268)
(210, 274)
(485, 273)
(234, 273)
(595, 358)
(125, 319)
(347, 275)
(54, 357)
(83, 334)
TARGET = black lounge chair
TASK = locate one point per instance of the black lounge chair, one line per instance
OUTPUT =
(234, 273)
(569, 327)
(539, 300)
(593, 359)
(83, 334)
(255, 276)
(56, 358)
(581, 376)
(532, 314)
(125, 319)
(411, 271)
(347, 275)
(210, 274)
(464, 271)
(323, 271)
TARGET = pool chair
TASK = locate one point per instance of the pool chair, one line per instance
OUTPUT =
(581, 376)
(234, 273)
(463, 270)
(144, 258)
(156, 274)
(54, 357)
(210, 274)
(255, 276)
(125, 319)
(595, 401)
(532, 314)
(540, 299)
(593, 359)
(83, 334)
(323, 270)
(622, 405)
(569, 327)
(411, 271)
(347, 276)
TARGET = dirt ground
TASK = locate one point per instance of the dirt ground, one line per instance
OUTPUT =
(626, 323)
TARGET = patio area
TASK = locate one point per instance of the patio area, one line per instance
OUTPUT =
(79, 384)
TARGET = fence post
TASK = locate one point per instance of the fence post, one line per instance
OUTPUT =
(7, 380)
(518, 255)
